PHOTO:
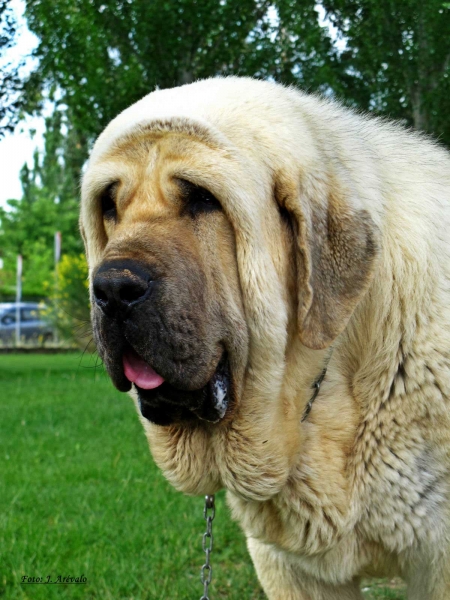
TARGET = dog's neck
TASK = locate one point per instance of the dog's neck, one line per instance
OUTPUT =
(316, 389)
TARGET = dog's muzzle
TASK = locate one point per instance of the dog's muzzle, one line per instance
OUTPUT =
(143, 344)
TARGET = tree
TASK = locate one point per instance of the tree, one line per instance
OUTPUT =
(49, 204)
(397, 59)
(105, 54)
(10, 84)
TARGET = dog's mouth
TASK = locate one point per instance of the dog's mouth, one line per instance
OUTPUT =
(163, 404)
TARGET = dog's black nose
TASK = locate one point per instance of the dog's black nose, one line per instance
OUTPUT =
(119, 285)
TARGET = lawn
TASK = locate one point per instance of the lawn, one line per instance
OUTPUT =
(80, 496)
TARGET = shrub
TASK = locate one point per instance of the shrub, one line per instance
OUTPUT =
(70, 300)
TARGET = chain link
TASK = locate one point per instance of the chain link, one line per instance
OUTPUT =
(209, 512)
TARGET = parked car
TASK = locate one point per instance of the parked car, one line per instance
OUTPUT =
(33, 325)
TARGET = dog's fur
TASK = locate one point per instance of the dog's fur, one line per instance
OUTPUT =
(333, 245)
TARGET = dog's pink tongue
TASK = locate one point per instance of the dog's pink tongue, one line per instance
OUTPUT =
(139, 372)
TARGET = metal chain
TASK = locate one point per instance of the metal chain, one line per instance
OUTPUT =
(209, 512)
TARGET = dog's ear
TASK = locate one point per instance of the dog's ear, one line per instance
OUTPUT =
(335, 246)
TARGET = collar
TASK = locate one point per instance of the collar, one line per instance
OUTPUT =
(316, 387)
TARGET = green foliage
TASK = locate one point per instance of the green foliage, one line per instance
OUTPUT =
(70, 300)
(10, 84)
(376, 589)
(26, 230)
(49, 204)
(397, 59)
(105, 54)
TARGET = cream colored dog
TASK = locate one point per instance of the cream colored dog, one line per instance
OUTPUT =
(241, 237)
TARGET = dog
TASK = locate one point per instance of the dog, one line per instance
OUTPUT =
(270, 280)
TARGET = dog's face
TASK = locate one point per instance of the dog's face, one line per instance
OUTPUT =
(167, 311)
(215, 239)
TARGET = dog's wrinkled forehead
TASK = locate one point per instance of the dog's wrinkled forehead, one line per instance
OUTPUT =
(117, 135)
(191, 149)
(184, 149)
(223, 112)
(201, 109)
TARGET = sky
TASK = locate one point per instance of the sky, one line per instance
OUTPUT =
(17, 148)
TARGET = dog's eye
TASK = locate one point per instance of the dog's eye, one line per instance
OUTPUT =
(198, 199)
(108, 202)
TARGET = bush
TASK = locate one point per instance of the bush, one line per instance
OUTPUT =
(70, 300)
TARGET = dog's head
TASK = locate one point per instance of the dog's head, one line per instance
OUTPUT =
(167, 310)
(214, 228)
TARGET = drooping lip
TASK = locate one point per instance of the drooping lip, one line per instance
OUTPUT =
(163, 404)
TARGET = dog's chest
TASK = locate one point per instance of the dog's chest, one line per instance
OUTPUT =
(325, 518)
(310, 515)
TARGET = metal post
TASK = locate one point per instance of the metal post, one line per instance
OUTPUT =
(57, 258)
(18, 297)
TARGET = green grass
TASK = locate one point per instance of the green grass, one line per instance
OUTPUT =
(80, 495)
(384, 590)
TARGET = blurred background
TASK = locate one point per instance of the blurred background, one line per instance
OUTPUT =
(75, 450)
